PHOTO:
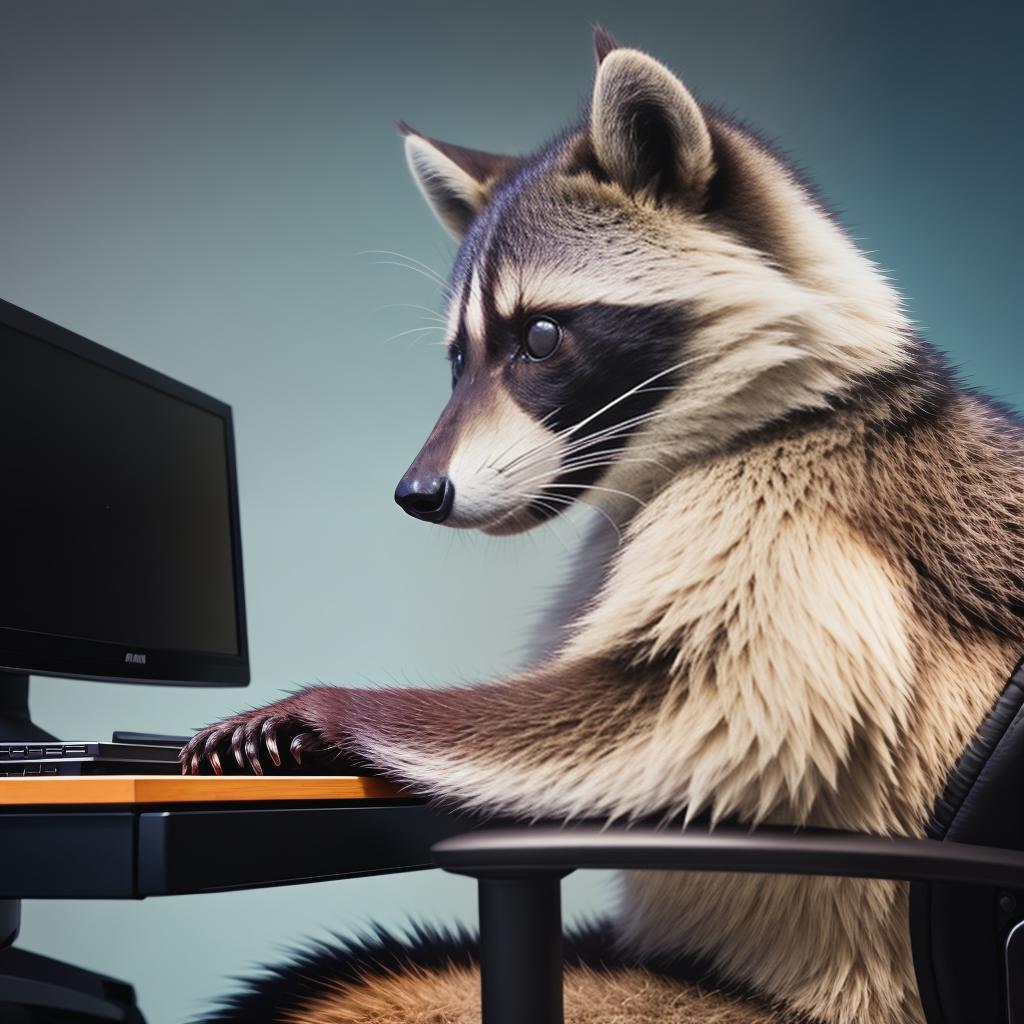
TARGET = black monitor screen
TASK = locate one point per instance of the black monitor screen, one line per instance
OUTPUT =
(116, 507)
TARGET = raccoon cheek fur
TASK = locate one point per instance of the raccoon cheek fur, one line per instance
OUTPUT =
(500, 465)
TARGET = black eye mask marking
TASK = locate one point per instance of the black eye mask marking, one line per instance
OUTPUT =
(604, 351)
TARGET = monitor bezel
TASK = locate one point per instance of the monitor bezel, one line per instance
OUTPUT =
(22, 651)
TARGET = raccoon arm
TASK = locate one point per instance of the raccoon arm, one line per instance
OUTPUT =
(557, 739)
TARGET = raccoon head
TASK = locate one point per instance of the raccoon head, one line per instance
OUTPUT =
(647, 289)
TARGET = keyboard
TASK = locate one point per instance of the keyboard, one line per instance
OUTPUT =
(90, 758)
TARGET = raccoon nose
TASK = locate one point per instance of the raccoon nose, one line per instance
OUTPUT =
(426, 497)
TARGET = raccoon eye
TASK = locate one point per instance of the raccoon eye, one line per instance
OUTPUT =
(541, 338)
(458, 363)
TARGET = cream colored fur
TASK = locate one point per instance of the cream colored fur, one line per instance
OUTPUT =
(474, 314)
(486, 497)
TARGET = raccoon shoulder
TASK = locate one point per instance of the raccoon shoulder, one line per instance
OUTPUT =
(945, 494)
(913, 471)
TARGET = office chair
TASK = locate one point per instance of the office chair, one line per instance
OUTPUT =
(967, 875)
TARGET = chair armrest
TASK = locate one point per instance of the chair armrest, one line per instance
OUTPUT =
(519, 870)
(515, 852)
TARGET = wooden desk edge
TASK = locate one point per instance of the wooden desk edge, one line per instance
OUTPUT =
(171, 789)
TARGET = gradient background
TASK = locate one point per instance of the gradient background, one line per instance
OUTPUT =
(192, 184)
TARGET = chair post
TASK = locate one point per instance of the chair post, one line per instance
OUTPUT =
(521, 948)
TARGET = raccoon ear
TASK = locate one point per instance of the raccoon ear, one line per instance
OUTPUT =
(649, 135)
(455, 181)
(604, 43)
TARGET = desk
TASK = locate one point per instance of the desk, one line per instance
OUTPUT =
(129, 837)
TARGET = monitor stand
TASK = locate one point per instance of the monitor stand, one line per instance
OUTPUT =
(36, 989)
(15, 721)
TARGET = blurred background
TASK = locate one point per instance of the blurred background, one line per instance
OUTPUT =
(197, 186)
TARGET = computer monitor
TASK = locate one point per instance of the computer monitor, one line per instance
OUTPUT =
(120, 551)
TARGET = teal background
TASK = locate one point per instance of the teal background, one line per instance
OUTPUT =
(192, 184)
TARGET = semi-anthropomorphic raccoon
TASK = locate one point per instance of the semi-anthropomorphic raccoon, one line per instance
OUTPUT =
(812, 594)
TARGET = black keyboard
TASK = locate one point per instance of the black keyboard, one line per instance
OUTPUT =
(88, 758)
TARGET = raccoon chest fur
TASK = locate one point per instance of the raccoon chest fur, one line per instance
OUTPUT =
(835, 948)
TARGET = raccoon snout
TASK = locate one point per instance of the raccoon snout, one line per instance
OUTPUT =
(426, 497)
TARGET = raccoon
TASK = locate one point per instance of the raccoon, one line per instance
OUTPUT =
(803, 598)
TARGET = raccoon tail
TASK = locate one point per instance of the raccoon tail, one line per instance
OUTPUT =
(430, 975)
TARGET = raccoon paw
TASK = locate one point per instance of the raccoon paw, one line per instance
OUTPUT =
(252, 743)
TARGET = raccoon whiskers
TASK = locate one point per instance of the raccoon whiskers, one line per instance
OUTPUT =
(446, 290)
(552, 501)
(434, 320)
(586, 448)
(600, 511)
(608, 457)
(614, 432)
(448, 294)
(431, 314)
(413, 330)
(547, 502)
(602, 459)
(597, 461)
(522, 437)
(596, 487)
(409, 262)
(635, 390)
(609, 433)
(554, 510)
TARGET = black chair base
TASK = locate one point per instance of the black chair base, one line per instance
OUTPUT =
(35, 989)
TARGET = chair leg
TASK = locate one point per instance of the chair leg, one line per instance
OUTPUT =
(521, 949)
(1014, 965)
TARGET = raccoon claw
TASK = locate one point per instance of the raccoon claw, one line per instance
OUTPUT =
(269, 736)
(236, 746)
(256, 742)
(254, 758)
(304, 742)
(252, 746)
(210, 752)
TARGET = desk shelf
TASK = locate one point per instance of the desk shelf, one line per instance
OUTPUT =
(130, 837)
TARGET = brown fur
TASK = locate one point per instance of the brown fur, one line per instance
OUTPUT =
(452, 996)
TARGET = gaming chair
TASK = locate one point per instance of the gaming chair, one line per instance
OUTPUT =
(967, 875)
